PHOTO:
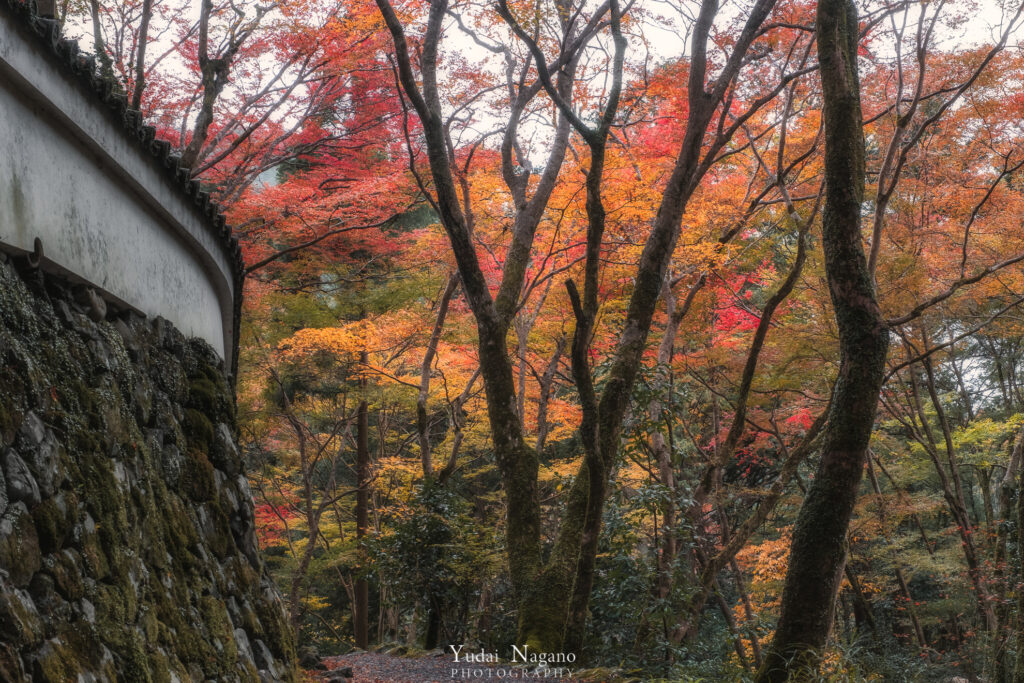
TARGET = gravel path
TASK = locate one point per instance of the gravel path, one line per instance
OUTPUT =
(376, 667)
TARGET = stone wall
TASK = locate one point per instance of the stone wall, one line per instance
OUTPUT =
(127, 549)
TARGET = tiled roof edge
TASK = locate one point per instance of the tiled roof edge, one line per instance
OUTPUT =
(82, 66)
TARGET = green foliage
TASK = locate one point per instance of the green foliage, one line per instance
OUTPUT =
(622, 600)
(436, 551)
(984, 442)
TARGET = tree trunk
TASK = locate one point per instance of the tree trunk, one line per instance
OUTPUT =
(900, 579)
(1004, 574)
(818, 553)
(953, 493)
(312, 518)
(98, 44)
(140, 54)
(433, 634)
(730, 621)
(422, 425)
(1018, 674)
(862, 614)
(748, 612)
(661, 446)
(361, 607)
(546, 382)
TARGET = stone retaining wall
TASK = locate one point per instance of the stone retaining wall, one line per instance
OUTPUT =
(127, 547)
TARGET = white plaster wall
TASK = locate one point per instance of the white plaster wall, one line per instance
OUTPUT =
(103, 209)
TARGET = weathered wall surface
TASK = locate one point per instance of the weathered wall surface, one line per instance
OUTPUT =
(81, 173)
(126, 528)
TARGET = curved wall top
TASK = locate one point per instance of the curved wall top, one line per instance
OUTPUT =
(110, 204)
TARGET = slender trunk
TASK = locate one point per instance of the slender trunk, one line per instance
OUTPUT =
(984, 477)
(140, 54)
(1007, 490)
(1004, 574)
(953, 490)
(362, 604)
(1007, 401)
(299, 574)
(900, 579)
(422, 425)
(861, 607)
(748, 611)
(730, 621)
(433, 634)
(312, 523)
(661, 446)
(1018, 673)
(1014, 386)
(961, 386)
(574, 556)
(98, 44)
(546, 382)
(819, 549)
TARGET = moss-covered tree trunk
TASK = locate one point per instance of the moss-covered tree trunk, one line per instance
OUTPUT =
(818, 553)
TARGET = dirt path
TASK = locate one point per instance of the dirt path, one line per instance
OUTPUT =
(376, 667)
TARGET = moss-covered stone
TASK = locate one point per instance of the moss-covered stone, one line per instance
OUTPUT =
(197, 477)
(137, 665)
(180, 532)
(10, 420)
(116, 570)
(19, 545)
(51, 525)
(278, 633)
(20, 623)
(65, 568)
(198, 429)
(208, 392)
(150, 626)
(10, 662)
(94, 559)
(55, 662)
(221, 630)
(224, 453)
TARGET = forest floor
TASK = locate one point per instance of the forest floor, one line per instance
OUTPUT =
(378, 667)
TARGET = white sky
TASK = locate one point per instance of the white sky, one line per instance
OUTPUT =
(663, 24)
